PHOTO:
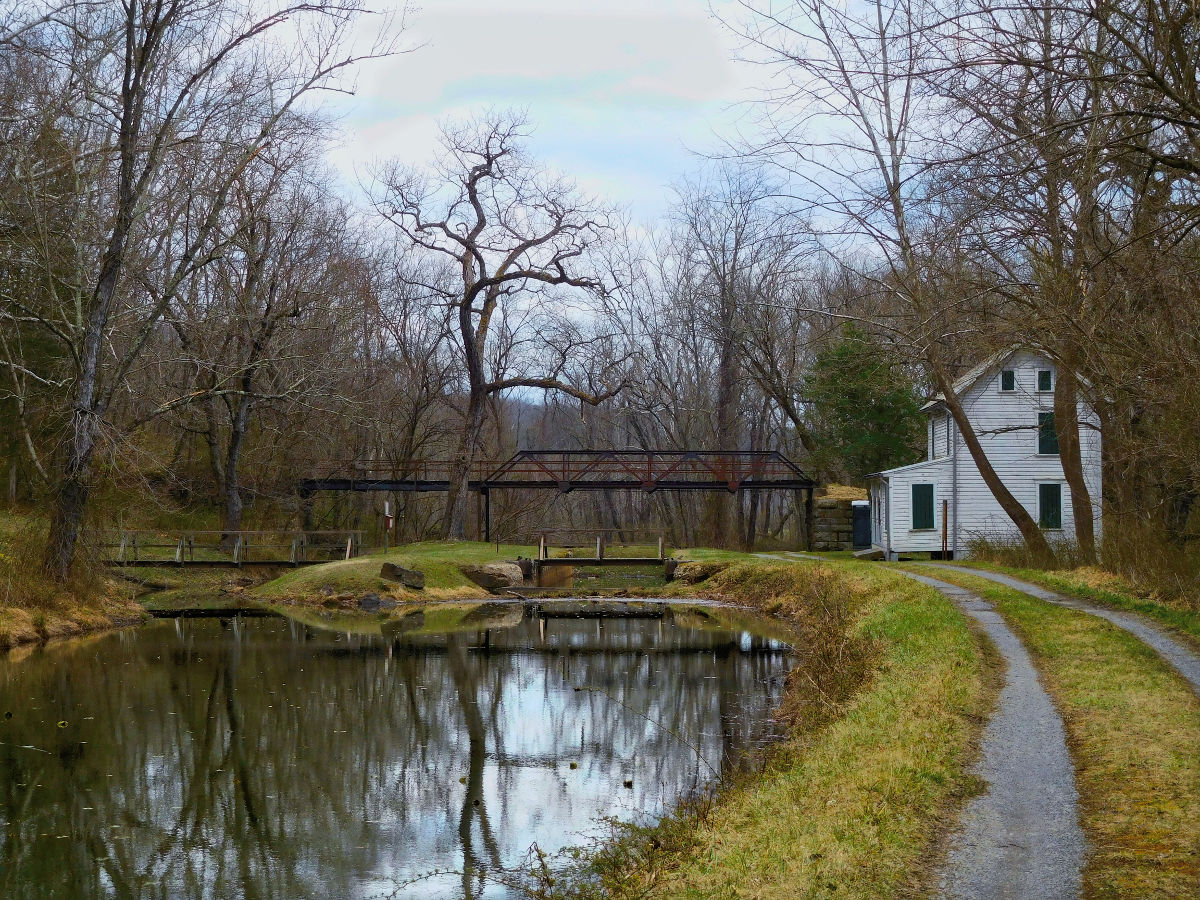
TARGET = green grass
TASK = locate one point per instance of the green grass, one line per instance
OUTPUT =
(856, 806)
(1133, 727)
(1182, 616)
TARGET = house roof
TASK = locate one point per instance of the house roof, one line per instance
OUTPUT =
(941, 460)
(967, 380)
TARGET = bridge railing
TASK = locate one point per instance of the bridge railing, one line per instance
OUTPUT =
(141, 546)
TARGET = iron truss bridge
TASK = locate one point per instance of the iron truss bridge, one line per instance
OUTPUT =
(583, 470)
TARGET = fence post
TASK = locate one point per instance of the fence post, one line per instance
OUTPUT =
(349, 544)
(662, 545)
(121, 551)
(135, 547)
(179, 550)
(237, 551)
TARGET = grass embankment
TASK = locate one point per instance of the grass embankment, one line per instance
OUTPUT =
(1134, 731)
(352, 578)
(1180, 613)
(885, 716)
(34, 608)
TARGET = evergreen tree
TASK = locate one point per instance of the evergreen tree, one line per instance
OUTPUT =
(865, 406)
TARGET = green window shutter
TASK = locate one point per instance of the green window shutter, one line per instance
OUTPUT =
(1045, 380)
(1050, 505)
(922, 506)
(1008, 380)
(1047, 436)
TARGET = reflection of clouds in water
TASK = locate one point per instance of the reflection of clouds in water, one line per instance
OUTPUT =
(259, 757)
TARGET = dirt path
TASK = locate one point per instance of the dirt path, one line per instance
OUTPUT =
(1021, 838)
(1185, 660)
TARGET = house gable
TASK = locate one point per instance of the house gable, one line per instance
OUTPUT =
(1009, 400)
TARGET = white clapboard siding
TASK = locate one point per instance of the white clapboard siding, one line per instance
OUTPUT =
(1006, 424)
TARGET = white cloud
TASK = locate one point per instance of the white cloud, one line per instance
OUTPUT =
(617, 93)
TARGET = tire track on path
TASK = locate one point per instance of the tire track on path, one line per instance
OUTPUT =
(1181, 657)
(1022, 838)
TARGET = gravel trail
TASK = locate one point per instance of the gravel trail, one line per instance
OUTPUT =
(1182, 658)
(1022, 837)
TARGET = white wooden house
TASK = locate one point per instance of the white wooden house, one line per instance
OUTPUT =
(1009, 400)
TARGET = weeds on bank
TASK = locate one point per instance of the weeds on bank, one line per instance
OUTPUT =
(1134, 731)
(1133, 551)
(23, 582)
(33, 606)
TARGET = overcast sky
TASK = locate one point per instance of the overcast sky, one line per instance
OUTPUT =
(620, 93)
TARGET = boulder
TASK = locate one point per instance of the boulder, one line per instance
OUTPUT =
(493, 576)
(374, 603)
(669, 567)
(696, 572)
(410, 578)
(871, 553)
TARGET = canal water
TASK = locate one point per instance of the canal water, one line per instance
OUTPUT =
(260, 758)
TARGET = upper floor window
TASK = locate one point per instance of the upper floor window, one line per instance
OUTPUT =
(1047, 435)
(1045, 380)
(1008, 380)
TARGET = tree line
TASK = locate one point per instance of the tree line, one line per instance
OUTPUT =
(193, 308)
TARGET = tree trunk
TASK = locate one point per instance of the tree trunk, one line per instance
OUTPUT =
(454, 521)
(719, 503)
(231, 496)
(1034, 539)
(70, 499)
(1066, 425)
(12, 482)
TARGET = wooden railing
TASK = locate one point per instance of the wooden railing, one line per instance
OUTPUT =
(145, 547)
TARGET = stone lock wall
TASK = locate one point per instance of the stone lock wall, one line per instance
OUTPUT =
(833, 524)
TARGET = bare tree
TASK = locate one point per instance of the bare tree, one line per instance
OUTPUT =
(144, 85)
(515, 235)
(847, 120)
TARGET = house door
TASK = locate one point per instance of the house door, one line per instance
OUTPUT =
(862, 526)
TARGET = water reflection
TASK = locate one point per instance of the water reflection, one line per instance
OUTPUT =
(259, 758)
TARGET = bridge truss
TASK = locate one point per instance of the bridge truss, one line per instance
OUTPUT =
(586, 470)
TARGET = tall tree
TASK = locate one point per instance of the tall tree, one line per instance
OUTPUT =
(519, 240)
(166, 104)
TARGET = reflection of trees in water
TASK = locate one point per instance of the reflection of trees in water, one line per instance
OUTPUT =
(257, 759)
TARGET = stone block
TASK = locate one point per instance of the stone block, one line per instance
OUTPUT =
(493, 576)
(410, 578)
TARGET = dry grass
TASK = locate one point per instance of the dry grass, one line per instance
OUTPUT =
(1134, 731)
(1134, 552)
(842, 492)
(34, 608)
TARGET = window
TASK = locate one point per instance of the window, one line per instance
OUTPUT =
(1050, 505)
(1045, 380)
(1047, 436)
(922, 507)
(1008, 380)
